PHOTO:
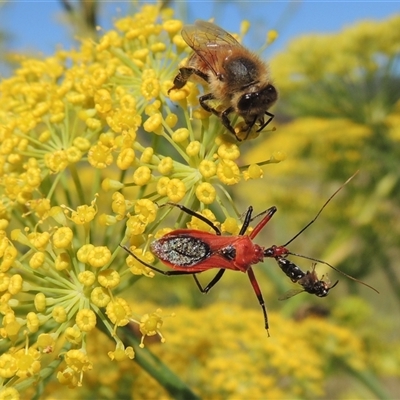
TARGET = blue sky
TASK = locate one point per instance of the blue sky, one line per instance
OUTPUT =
(36, 26)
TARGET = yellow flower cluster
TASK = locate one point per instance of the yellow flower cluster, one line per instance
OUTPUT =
(223, 353)
(356, 51)
(76, 130)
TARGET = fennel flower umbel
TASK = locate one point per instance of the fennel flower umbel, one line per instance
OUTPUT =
(89, 143)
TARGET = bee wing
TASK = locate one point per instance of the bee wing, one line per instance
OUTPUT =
(290, 293)
(207, 40)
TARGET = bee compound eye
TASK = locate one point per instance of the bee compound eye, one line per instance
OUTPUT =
(247, 101)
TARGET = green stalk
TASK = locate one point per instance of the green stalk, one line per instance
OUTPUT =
(154, 366)
(368, 379)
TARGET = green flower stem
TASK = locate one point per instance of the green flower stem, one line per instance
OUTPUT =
(368, 379)
(154, 366)
(392, 278)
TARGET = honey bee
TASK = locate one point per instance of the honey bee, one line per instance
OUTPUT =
(237, 78)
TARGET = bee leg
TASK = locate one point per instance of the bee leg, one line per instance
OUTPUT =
(184, 74)
(202, 101)
(223, 116)
(249, 126)
(227, 123)
(264, 124)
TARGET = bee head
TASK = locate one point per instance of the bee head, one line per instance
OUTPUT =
(257, 102)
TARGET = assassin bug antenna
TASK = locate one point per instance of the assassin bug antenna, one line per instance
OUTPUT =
(321, 209)
(279, 252)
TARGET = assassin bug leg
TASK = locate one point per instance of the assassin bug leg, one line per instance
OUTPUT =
(189, 252)
(245, 225)
(194, 214)
(221, 272)
(247, 219)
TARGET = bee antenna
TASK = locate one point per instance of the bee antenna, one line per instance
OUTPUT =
(337, 270)
(320, 211)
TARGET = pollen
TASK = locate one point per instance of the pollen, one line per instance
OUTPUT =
(73, 154)
(56, 161)
(8, 366)
(147, 155)
(231, 226)
(142, 176)
(9, 256)
(99, 156)
(62, 262)
(171, 120)
(32, 322)
(207, 168)
(253, 172)
(153, 124)
(150, 88)
(9, 393)
(229, 151)
(87, 278)
(40, 302)
(59, 314)
(121, 353)
(162, 185)
(206, 193)
(178, 95)
(109, 278)
(83, 253)
(73, 335)
(100, 296)
(272, 35)
(84, 214)
(103, 101)
(138, 268)
(146, 210)
(166, 165)
(4, 281)
(228, 172)
(150, 325)
(15, 284)
(85, 320)
(99, 256)
(193, 148)
(118, 311)
(111, 184)
(78, 361)
(176, 190)
(198, 224)
(173, 26)
(180, 135)
(62, 238)
(126, 159)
